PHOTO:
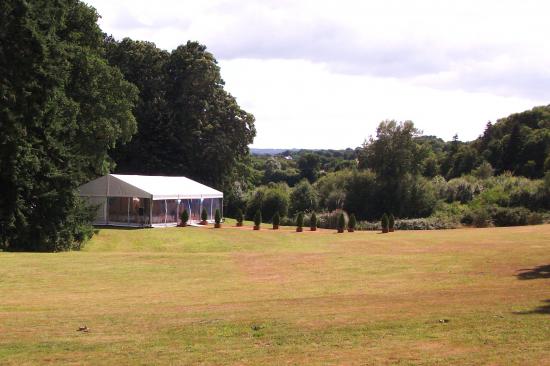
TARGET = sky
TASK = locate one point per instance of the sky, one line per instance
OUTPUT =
(323, 74)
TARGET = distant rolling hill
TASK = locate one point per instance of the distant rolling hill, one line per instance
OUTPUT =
(254, 151)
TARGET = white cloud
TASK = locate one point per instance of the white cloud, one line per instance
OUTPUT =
(303, 104)
(324, 73)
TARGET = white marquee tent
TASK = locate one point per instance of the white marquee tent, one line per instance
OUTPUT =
(139, 200)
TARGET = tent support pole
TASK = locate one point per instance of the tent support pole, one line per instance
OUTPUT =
(151, 211)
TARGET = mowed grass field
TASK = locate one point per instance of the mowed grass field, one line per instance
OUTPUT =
(235, 296)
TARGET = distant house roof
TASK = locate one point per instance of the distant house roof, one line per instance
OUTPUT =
(147, 186)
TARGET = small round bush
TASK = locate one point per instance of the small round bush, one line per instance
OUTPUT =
(341, 222)
(385, 222)
(300, 220)
(204, 214)
(352, 222)
(313, 221)
(276, 219)
(184, 217)
(391, 222)
(240, 216)
(258, 218)
(218, 216)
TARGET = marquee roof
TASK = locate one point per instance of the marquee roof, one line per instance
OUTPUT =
(147, 186)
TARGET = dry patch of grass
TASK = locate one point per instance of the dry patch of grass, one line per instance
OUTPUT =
(237, 296)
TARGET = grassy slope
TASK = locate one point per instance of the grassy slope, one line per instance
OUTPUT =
(236, 296)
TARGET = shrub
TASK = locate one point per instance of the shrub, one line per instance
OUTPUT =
(184, 217)
(467, 218)
(218, 216)
(535, 218)
(440, 187)
(451, 212)
(300, 220)
(269, 199)
(288, 221)
(329, 220)
(276, 220)
(510, 216)
(367, 225)
(496, 195)
(258, 218)
(204, 214)
(352, 222)
(462, 190)
(313, 221)
(384, 221)
(483, 171)
(427, 223)
(530, 194)
(391, 222)
(341, 222)
(481, 217)
(240, 216)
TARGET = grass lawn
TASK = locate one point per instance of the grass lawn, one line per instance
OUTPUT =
(237, 296)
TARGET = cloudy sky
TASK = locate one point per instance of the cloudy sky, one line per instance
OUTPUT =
(323, 74)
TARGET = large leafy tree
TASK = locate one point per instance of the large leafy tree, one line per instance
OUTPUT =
(62, 108)
(188, 124)
(142, 63)
(397, 158)
(309, 165)
(394, 152)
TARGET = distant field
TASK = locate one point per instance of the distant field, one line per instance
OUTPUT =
(232, 296)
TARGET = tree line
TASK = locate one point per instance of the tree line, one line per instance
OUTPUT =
(414, 176)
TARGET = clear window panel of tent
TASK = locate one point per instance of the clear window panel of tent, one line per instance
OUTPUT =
(184, 205)
(211, 204)
(181, 206)
(159, 212)
(138, 212)
(172, 211)
(216, 204)
(195, 210)
(118, 209)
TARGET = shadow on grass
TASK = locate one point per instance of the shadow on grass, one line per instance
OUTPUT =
(534, 273)
(543, 309)
(539, 272)
(99, 227)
